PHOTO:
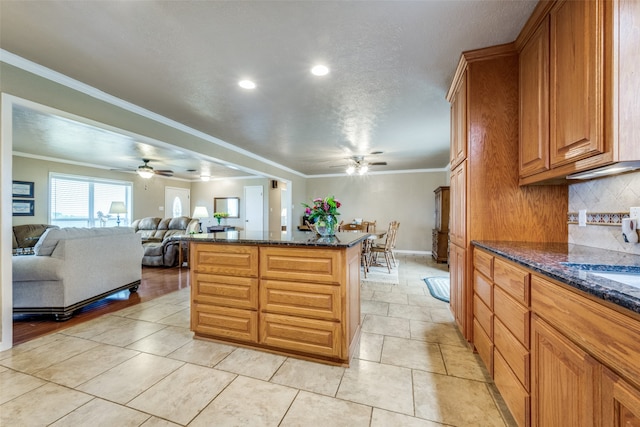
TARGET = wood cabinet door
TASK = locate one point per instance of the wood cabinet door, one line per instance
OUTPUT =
(457, 299)
(620, 402)
(576, 80)
(534, 103)
(563, 377)
(458, 214)
(459, 122)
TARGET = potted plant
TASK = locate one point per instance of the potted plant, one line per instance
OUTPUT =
(220, 215)
(323, 213)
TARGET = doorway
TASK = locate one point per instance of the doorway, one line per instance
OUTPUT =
(253, 209)
(177, 202)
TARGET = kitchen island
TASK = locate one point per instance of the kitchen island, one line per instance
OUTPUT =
(290, 293)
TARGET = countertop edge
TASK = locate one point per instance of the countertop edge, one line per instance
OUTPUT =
(313, 240)
(617, 293)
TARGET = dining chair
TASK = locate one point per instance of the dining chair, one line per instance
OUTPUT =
(365, 257)
(370, 225)
(393, 244)
(386, 249)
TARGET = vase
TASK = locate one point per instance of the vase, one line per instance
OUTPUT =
(326, 226)
(219, 219)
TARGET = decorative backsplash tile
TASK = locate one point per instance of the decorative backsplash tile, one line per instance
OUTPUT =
(599, 218)
(605, 200)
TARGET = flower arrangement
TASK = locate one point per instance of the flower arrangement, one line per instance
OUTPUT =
(322, 208)
(220, 215)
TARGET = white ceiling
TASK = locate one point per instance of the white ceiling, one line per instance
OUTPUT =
(391, 64)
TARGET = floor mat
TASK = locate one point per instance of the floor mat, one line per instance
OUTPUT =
(438, 287)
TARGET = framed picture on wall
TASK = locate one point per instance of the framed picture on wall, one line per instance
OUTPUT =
(22, 207)
(23, 189)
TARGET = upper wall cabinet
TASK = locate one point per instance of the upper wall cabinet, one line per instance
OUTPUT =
(578, 87)
(534, 103)
(576, 81)
(459, 122)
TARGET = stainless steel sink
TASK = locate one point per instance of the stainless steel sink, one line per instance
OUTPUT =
(628, 275)
(630, 279)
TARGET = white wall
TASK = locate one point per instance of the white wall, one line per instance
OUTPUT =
(404, 197)
(203, 193)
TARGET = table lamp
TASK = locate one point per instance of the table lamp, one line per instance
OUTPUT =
(118, 208)
(200, 212)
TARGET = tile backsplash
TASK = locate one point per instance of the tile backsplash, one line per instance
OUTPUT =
(614, 194)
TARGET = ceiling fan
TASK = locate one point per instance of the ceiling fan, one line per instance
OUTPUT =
(146, 171)
(357, 164)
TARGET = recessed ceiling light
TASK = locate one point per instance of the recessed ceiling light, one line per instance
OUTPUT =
(247, 84)
(205, 178)
(320, 70)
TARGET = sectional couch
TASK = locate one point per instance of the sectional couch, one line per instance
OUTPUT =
(73, 267)
(160, 250)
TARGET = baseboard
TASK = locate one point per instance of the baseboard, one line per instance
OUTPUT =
(403, 251)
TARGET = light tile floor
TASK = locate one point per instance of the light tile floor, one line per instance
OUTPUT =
(141, 367)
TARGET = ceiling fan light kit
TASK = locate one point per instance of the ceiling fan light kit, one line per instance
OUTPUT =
(359, 165)
(145, 173)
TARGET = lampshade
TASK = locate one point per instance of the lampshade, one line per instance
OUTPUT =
(200, 212)
(145, 173)
(117, 208)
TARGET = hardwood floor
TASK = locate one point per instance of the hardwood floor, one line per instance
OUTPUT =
(155, 282)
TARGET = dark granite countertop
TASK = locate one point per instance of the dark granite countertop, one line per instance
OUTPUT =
(295, 238)
(550, 259)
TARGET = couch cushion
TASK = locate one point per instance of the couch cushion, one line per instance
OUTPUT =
(179, 223)
(153, 249)
(164, 224)
(27, 235)
(50, 238)
(149, 223)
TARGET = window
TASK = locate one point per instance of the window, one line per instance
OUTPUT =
(177, 207)
(79, 201)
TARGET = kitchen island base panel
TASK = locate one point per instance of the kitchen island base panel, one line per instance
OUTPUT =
(300, 301)
(355, 343)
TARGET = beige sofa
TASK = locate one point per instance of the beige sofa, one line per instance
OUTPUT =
(156, 233)
(73, 267)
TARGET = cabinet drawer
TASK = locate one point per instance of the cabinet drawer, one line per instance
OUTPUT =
(514, 280)
(483, 346)
(512, 314)
(301, 265)
(228, 260)
(300, 299)
(229, 291)
(517, 357)
(318, 337)
(483, 262)
(224, 322)
(483, 288)
(483, 315)
(514, 395)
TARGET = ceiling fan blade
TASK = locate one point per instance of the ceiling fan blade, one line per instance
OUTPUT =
(164, 173)
(378, 164)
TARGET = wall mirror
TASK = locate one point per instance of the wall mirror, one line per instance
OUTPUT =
(230, 205)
